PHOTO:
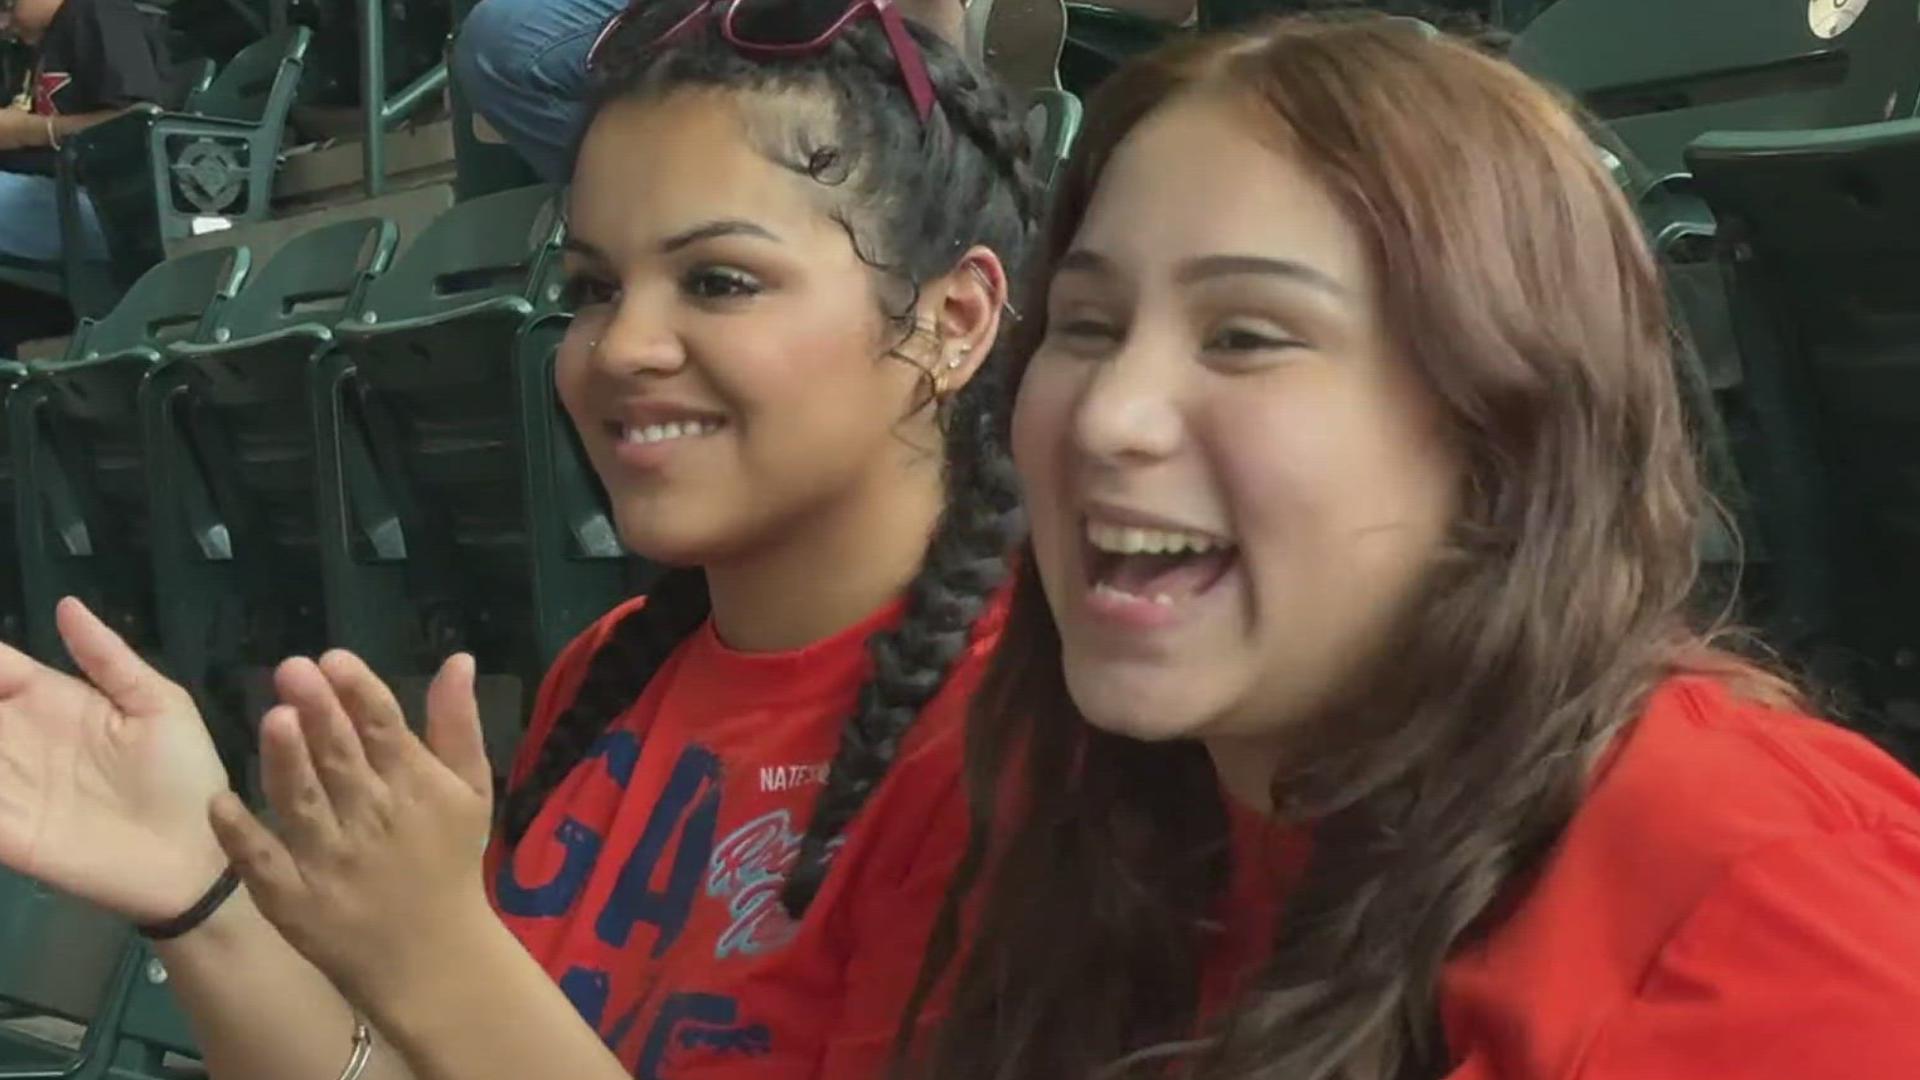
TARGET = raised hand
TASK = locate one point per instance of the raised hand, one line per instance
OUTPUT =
(105, 786)
(375, 874)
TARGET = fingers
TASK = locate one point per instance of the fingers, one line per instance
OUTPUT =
(338, 758)
(262, 861)
(453, 725)
(371, 708)
(293, 787)
(110, 664)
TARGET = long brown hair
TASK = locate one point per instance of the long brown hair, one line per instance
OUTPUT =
(1517, 280)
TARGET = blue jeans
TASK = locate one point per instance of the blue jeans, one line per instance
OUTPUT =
(30, 219)
(523, 65)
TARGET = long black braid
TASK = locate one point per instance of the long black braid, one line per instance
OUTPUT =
(915, 199)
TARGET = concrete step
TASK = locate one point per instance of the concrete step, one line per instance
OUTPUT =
(330, 172)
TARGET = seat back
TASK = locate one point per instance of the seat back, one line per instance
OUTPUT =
(1053, 122)
(1660, 73)
(1020, 42)
(317, 279)
(459, 509)
(492, 247)
(192, 79)
(176, 300)
(227, 439)
(1820, 240)
(1101, 38)
(261, 79)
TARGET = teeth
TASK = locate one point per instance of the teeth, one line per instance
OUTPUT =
(653, 433)
(1162, 599)
(1127, 540)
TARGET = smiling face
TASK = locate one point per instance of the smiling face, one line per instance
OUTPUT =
(1236, 480)
(727, 367)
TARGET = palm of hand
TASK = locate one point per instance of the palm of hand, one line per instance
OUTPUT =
(106, 800)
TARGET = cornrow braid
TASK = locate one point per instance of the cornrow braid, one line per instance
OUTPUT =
(616, 674)
(966, 563)
(975, 110)
(927, 194)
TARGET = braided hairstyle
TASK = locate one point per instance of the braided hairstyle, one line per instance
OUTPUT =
(913, 199)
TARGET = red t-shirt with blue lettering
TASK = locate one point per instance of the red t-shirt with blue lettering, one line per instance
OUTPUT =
(649, 884)
(1738, 896)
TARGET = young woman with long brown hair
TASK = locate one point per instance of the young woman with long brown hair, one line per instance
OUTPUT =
(1350, 722)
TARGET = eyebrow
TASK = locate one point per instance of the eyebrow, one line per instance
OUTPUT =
(1084, 261)
(711, 230)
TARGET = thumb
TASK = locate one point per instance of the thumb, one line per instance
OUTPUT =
(110, 664)
(453, 724)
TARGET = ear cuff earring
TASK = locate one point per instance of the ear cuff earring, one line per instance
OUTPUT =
(953, 364)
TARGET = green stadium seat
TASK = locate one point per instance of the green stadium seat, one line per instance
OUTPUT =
(458, 511)
(62, 960)
(157, 177)
(1820, 244)
(149, 1024)
(1019, 41)
(74, 433)
(1053, 122)
(228, 443)
(1660, 73)
(1100, 39)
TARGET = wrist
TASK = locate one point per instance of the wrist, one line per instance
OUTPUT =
(227, 934)
(210, 902)
(423, 993)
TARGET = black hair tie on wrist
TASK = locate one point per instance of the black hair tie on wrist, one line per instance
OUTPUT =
(200, 912)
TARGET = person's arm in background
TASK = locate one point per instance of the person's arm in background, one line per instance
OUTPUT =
(22, 130)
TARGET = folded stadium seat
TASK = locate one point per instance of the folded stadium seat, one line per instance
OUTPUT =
(1053, 122)
(450, 476)
(1100, 39)
(1820, 241)
(80, 479)
(157, 176)
(228, 442)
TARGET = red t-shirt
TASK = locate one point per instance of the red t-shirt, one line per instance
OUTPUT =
(649, 885)
(1738, 896)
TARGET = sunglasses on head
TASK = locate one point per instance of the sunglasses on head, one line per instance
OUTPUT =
(770, 28)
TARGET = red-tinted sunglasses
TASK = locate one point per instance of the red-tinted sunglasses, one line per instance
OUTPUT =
(752, 37)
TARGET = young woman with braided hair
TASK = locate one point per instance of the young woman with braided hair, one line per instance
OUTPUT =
(738, 802)
(1351, 721)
